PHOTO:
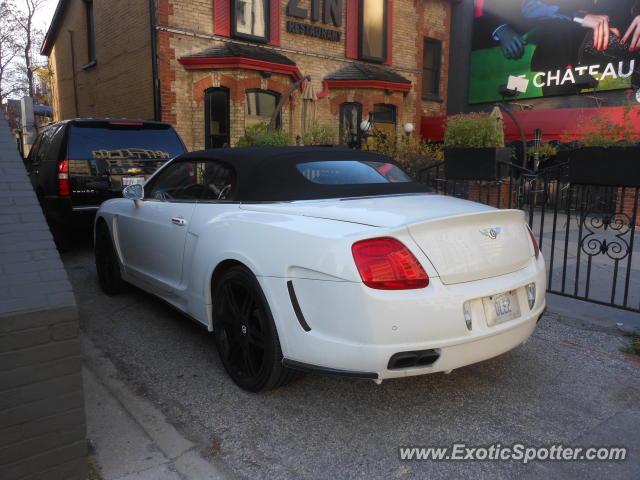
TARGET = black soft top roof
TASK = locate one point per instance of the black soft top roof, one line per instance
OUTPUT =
(270, 173)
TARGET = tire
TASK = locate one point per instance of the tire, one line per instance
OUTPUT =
(59, 231)
(245, 333)
(107, 263)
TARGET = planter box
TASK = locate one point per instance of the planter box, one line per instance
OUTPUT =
(609, 166)
(476, 163)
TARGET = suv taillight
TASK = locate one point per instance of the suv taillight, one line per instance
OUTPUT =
(63, 178)
(386, 264)
(536, 248)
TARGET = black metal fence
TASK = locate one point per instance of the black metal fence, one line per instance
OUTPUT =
(587, 233)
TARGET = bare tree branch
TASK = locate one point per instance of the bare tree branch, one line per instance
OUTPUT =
(9, 50)
(29, 36)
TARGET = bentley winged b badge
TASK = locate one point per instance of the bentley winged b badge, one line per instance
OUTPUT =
(491, 232)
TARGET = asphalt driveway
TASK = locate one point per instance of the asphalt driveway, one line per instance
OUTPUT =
(568, 385)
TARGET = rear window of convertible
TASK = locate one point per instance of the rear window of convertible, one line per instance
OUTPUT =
(352, 172)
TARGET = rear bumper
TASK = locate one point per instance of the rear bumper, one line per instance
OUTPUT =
(62, 211)
(357, 331)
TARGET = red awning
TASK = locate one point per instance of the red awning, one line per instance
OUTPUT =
(563, 124)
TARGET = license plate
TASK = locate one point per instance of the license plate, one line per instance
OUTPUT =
(501, 308)
(131, 180)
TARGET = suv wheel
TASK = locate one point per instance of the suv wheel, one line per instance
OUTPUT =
(59, 231)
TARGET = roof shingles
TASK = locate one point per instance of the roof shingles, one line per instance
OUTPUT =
(359, 72)
(237, 50)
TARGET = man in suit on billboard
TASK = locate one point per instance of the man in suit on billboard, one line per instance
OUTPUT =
(500, 22)
(566, 31)
(564, 38)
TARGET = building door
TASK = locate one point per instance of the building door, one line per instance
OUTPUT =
(216, 117)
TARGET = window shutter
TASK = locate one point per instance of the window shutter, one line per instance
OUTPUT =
(389, 32)
(352, 29)
(222, 17)
(274, 23)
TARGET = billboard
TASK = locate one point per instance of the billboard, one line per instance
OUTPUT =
(555, 47)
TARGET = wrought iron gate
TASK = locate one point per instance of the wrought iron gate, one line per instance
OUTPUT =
(587, 233)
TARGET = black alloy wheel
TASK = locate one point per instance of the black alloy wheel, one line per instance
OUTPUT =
(245, 333)
(107, 263)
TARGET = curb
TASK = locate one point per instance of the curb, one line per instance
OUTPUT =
(162, 453)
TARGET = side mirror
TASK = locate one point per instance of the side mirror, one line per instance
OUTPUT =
(134, 192)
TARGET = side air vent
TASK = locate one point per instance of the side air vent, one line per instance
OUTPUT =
(296, 307)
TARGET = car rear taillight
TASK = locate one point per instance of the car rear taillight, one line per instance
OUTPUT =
(63, 178)
(386, 264)
(536, 248)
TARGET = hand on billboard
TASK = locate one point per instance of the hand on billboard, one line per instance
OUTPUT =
(633, 33)
(601, 30)
(512, 44)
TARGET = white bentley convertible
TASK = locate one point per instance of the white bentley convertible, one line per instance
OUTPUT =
(324, 259)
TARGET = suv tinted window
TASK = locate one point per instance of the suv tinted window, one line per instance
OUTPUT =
(55, 147)
(104, 141)
(43, 146)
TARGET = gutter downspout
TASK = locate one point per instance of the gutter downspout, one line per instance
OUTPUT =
(73, 74)
(157, 111)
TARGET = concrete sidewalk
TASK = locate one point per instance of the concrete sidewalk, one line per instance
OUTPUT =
(597, 316)
(132, 439)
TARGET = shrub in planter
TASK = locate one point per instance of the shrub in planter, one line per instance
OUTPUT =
(319, 135)
(412, 153)
(474, 148)
(257, 135)
(546, 155)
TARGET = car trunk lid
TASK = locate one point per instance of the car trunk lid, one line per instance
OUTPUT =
(454, 234)
(469, 247)
(378, 211)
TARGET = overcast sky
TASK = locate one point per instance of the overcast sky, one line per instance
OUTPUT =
(43, 18)
(45, 15)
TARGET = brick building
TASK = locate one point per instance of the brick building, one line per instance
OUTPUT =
(214, 67)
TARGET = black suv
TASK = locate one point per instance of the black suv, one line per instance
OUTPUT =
(75, 165)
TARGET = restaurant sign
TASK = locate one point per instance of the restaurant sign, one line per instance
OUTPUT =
(328, 12)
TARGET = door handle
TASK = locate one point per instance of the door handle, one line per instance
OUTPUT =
(181, 222)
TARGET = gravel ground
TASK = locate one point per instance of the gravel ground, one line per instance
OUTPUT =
(567, 385)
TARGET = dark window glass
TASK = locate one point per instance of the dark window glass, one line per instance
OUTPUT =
(88, 142)
(350, 118)
(373, 30)
(431, 67)
(260, 106)
(36, 155)
(218, 180)
(383, 113)
(44, 150)
(174, 183)
(341, 172)
(192, 180)
(91, 37)
(216, 111)
(33, 153)
(251, 19)
(384, 117)
(55, 152)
